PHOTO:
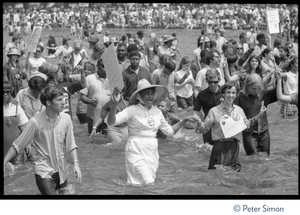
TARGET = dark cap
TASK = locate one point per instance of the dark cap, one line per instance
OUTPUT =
(132, 47)
(99, 47)
(134, 53)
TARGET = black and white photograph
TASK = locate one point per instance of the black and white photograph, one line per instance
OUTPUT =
(150, 99)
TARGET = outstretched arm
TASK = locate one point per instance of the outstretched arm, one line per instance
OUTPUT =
(279, 94)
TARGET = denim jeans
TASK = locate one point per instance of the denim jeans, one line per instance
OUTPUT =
(50, 186)
(254, 142)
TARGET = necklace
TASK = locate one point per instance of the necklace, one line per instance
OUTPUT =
(32, 107)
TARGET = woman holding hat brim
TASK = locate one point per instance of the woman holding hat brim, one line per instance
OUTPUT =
(14, 71)
(143, 120)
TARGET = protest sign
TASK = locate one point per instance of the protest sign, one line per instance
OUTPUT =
(113, 73)
(273, 21)
(34, 39)
(232, 125)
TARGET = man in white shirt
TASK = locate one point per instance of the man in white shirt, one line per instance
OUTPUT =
(213, 59)
(219, 40)
(262, 44)
(95, 95)
(243, 42)
(251, 36)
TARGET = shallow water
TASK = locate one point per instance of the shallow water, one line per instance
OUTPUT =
(182, 169)
(183, 159)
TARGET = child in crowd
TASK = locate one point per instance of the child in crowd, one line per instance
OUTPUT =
(171, 118)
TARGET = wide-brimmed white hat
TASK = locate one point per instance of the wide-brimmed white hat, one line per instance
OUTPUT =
(167, 38)
(160, 92)
(14, 51)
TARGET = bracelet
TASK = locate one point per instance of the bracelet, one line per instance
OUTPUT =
(76, 161)
(94, 127)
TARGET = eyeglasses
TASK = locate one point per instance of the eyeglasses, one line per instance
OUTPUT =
(239, 48)
(8, 92)
(213, 82)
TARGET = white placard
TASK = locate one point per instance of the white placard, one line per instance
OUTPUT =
(114, 75)
(273, 21)
(34, 39)
(232, 125)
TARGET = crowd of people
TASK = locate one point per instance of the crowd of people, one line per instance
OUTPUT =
(225, 79)
(233, 16)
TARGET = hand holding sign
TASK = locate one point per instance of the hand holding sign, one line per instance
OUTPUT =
(113, 73)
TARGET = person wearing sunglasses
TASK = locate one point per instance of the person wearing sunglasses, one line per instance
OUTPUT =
(225, 149)
(213, 60)
(208, 98)
(35, 62)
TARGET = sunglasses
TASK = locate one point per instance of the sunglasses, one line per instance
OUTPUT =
(38, 51)
(213, 82)
(8, 92)
(239, 48)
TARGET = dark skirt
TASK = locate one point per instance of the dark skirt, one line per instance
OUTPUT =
(225, 153)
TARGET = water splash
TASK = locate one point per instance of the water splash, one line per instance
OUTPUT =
(69, 190)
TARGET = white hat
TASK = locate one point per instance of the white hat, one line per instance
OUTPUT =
(167, 38)
(160, 91)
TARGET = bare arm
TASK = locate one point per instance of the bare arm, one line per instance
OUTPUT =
(228, 77)
(279, 94)
(76, 169)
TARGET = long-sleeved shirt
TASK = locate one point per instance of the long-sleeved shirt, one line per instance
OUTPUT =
(53, 141)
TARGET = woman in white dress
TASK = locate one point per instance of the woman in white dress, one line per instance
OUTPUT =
(143, 120)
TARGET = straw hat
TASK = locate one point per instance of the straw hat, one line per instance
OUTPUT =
(166, 38)
(14, 51)
(160, 92)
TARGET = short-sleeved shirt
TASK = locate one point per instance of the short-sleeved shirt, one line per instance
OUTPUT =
(206, 100)
(131, 80)
(171, 119)
(123, 65)
(216, 114)
(201, 81)
(163, 49)
(161, 78)
(13, 110)
(98, 88)
(53, 140)
(29, 103)
(184, 90)
(35, 63)
(258, 50)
